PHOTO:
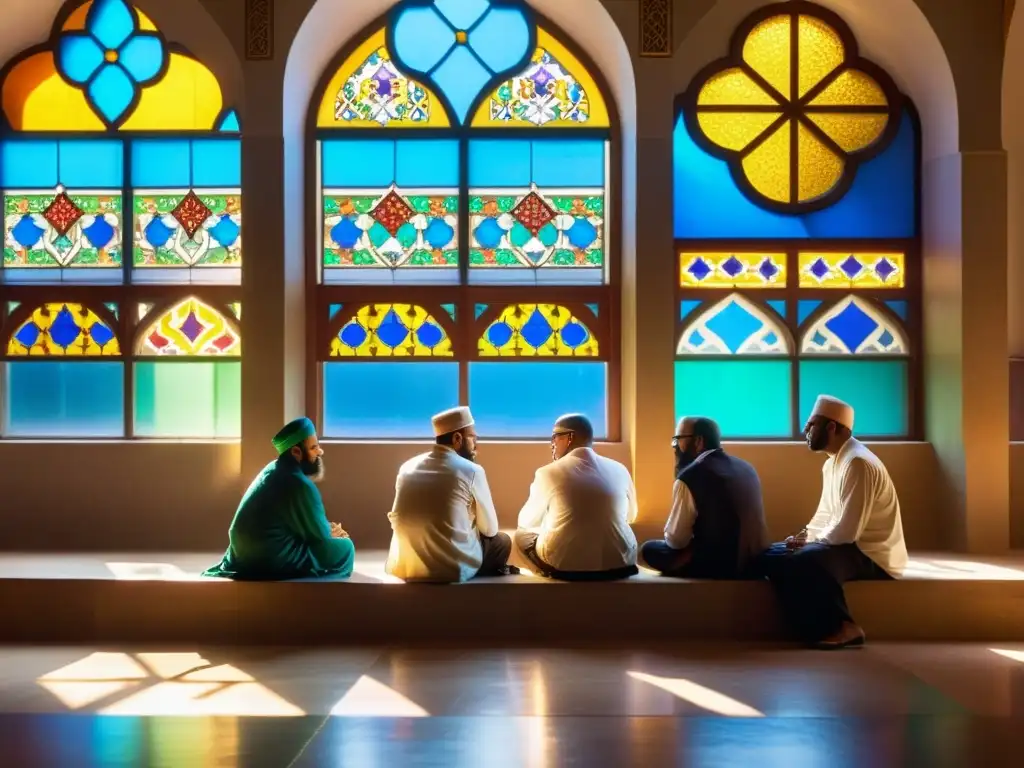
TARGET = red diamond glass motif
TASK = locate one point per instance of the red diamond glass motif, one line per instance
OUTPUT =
(191, 212)
(533, 213)
(225, 342)
(392, 212)
(62, 213)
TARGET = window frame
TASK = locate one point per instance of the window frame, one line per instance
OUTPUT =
(607, 295)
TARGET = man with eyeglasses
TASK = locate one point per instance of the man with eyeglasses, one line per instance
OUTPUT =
(575, 524)
(443, 522)
(716, 527)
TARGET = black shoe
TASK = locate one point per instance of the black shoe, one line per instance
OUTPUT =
(508, 570)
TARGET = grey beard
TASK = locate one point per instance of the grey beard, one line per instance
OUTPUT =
(314, 469)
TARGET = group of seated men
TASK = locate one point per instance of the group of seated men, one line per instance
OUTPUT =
(575, 525)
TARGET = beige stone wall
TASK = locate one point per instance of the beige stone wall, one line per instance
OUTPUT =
(946, 54)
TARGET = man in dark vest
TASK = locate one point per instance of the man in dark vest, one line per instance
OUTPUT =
(716, 527)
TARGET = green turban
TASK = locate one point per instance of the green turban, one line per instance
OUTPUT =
(293, 433)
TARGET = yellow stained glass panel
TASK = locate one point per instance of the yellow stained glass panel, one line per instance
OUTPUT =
(76, 19)
(851, 88)
(351, 99)
(537, 330)
(735, 130)
(819, 167)
(392, 330)
(733, 87)
(516, 103)
(851, 132)
(191, 88)
(36, 98)
(732, 270)
(820, 51)
(767, 51)
(191, 328)
(63, 330)
(852, 270)
(767, 167)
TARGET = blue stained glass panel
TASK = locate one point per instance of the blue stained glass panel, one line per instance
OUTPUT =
(142, 56)
(748, 398)
(501, 39)
(733, 324)
(881, 203)
(216, 163)
(427, 163)
(900, 308)
(462, 13)
(29, 164)
(229, 123)
(387, 400)
(877, 390)
(111, 91)
(686, 307)
(852, 326)
(523, 399)
(461, 77)
(499, 163)
(111, 22)
(358, 163)
(161, 163)
(65, 399)
(779, 305)
(568, 163)
(421, 38)
(198, 399)
(806, 309)
(91, 164)
(79, 57)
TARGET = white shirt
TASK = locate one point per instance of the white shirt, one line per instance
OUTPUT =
(442, 506)
(683, 514)
(581, 507)
(859, 506)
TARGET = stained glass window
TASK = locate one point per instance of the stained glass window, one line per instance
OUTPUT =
(120, 166)
(501, 191)
(800, 147)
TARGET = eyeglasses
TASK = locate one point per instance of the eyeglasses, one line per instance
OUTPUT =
(556, 435)
(677, 438)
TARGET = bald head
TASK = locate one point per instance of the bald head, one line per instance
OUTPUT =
(570, 432)
(701, 429)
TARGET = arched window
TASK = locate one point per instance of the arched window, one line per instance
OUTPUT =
(465, 249)
(120, 173)
(797, 224)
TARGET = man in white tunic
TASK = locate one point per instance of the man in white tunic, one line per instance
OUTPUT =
(444, 527)
(856, 534)
(575, 525)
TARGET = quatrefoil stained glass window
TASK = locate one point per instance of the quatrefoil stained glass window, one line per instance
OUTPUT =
(795, 109)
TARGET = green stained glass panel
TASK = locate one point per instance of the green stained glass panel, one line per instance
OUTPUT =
(84, 230)
(877, 390)
(162, 238)
(748, 398)
(188, 400)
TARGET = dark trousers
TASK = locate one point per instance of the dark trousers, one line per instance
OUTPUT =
(666, 560)
(527, 543)
(495, 557)
(809, 583)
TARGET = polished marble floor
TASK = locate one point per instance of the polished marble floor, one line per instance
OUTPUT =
(763, 706)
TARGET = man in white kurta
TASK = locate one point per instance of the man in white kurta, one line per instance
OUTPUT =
(856, 533)
(575, 524)
(444, 527)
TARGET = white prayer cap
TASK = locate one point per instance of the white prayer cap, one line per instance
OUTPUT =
(452, 420)
(834, 409)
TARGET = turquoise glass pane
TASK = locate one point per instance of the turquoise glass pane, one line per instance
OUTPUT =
(188, 400)
(523, 399)
(112, 91)
(29, 164)
(501, 39)
(900, 308)
(779, 305)
(881, 203)
(142, 57)
(877, 390)
(686, 307)
(217, 163)
(161, 163)
(229, 122)
(568, 163)
(462, 14)
(499, 163)
(91, 164)
(78, 57)
(734, 324)
(110, 22)
(427, 163)
(748, 398)
(461, 77)
(421, 38)
(806, 309)
(65, 399)
(358, 163)
(387, 400)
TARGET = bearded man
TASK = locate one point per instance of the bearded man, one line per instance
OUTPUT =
(280, 530)
(716, 527)
(444, 527)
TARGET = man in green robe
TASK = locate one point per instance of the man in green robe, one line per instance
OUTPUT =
(280, 530)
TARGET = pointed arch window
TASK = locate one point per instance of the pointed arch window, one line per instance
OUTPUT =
(120, 175)
(464, 153)
(797, 223)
